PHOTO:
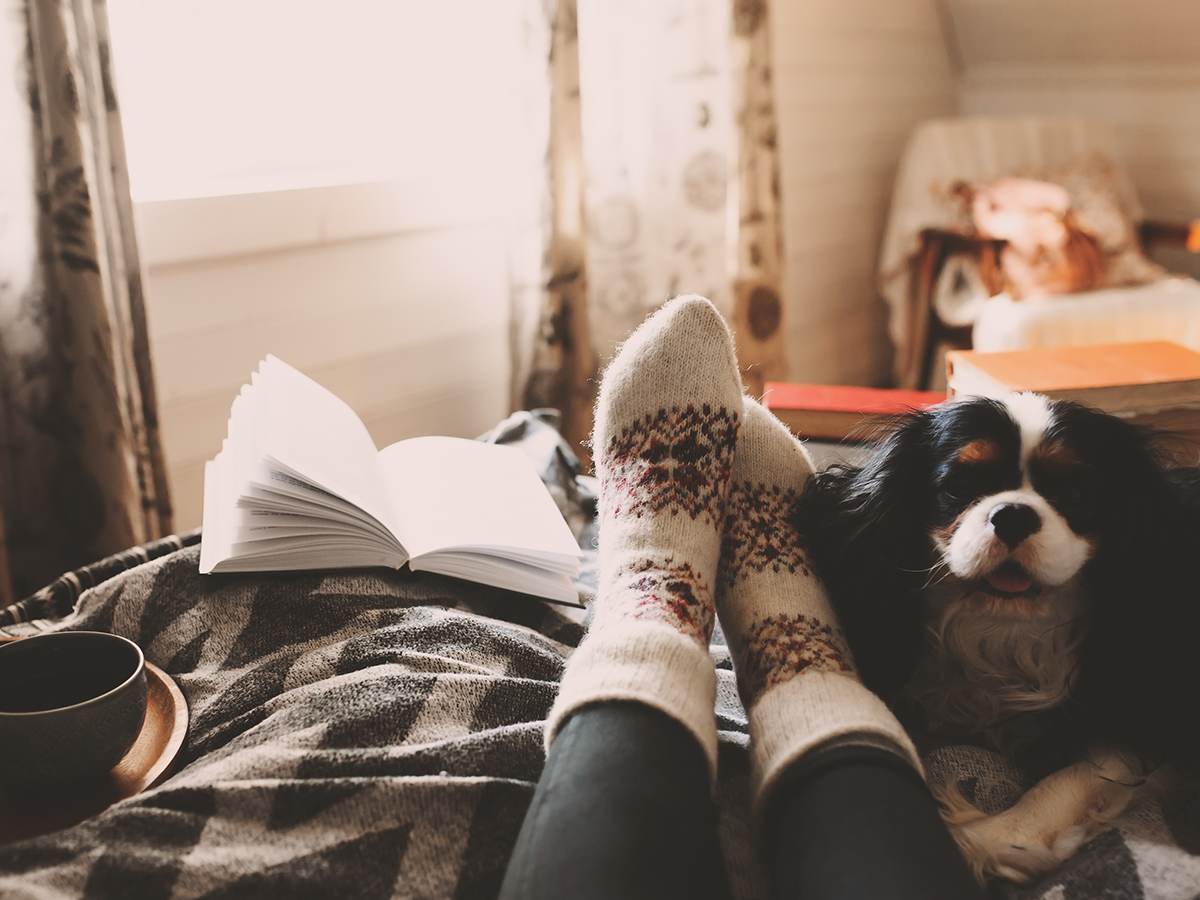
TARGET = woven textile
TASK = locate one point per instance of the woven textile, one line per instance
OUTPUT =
(373, 736)
(352, 735)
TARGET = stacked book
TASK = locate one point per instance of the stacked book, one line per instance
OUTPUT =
(1152, 383)
(840, 412)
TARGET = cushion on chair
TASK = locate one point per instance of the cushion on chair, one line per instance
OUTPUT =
(1066, 232)
(1164, 310)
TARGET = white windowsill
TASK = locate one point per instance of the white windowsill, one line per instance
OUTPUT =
(172, 232)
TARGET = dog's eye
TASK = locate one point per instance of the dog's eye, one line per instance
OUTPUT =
(960, 486)
(1070, 494)
(954, 488)
(1074, 496)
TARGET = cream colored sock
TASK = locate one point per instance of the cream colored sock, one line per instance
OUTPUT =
(795, 672)
(665, 431)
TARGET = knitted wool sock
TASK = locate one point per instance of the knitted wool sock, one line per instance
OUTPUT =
(795, 672)
(665, 431)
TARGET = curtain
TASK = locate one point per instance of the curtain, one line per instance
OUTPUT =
(661, 178)
(757, 235)
(81, 469)
(556, 360)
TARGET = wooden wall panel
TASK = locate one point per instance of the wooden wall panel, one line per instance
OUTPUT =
(852, 78)
(410, 328)
(1155, 112)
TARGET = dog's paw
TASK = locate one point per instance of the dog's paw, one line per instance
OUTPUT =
(955, 808)
(1000, 846)
(992, 849)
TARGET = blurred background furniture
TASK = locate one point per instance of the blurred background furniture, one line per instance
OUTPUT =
(944, 278)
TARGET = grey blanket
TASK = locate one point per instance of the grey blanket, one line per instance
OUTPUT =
(352, 736)
(377, 735)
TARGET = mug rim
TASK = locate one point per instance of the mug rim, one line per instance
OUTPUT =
(138, 670)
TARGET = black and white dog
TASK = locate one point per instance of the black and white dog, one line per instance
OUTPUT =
(1027, 571)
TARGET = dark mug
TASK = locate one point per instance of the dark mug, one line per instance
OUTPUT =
(72, 703)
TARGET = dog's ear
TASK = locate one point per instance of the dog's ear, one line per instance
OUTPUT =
(1140, 672)
(867, 533)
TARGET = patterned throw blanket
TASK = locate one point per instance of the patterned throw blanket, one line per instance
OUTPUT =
(377, 735)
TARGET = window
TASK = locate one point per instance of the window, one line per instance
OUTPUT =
(236, 96)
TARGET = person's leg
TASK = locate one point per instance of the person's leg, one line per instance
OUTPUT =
(666, 427)
(861, 826)
(623, 810)
(837, 783)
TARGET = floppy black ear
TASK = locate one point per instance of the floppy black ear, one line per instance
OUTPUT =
(868, 534)
(1140, 670)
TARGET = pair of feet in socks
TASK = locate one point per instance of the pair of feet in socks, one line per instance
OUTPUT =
(696, 483)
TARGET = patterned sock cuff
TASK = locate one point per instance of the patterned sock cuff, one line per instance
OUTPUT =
(793, 718)
(645, 662)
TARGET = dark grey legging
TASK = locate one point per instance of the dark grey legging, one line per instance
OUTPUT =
(623, 811)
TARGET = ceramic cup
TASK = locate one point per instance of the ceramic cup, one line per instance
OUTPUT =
(72, 703)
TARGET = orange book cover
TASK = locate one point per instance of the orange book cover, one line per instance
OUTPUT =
(1050, 370)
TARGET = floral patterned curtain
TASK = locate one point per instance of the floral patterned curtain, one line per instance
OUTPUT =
(757, 237)
(562, 363)
(662, 179)
(81, 470)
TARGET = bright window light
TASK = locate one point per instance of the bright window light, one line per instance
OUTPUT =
(237, 96)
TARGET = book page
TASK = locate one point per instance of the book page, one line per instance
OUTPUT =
(307, 429)
(502, 573)
(218, 516)
(453, 493)
(294, 456)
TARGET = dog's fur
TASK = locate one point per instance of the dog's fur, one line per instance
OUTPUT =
(1027, 571)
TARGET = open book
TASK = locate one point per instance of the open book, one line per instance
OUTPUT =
(299, 484)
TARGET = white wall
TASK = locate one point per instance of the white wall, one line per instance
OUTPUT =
(852, 78)
(1155, 111)
(394, 296)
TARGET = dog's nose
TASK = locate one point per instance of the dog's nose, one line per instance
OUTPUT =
(1013, 522)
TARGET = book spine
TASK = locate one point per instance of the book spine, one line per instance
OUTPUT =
(963, 377)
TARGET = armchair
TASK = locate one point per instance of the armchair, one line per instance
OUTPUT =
(945, 284)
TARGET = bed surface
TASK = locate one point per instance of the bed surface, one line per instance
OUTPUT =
(374, 735)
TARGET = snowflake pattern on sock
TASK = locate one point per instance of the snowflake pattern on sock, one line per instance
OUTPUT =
(758, 534)
(778, 648)
(663, 591)
(677, 461)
